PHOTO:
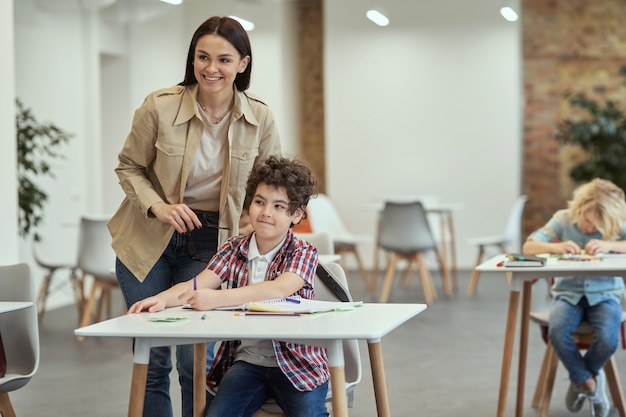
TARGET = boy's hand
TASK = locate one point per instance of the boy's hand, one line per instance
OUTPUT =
(598, 246)
(567, 247)
(203, 299)
(150, 304)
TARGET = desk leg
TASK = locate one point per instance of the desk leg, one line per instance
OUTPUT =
(336, 363)
(507, 353)
(523, 348)
(138, 389)
(378, 377)
(199, 379)
(453, 269)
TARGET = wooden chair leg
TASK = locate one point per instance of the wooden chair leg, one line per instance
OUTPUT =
(390, 271)
(615, 386)
(553, 362)
(445, 274)
(42, 296)
(6, 408)
(541, 380)
(471, 288)
(78, 288)
(428, 287)
(364, 276)
(88, 308)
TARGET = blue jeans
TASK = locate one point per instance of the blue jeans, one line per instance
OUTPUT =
(175, 265)
(245, 387)
(605, 319)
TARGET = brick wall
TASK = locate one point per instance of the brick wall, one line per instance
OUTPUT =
(576, 45)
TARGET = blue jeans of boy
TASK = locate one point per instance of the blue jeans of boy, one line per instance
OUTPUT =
(605, 318)
(175, 265)
(245, 387)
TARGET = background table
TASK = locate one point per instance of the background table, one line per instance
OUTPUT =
(521, 280)
(370, 322)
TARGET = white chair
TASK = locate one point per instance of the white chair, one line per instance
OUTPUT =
(323, 217)
(52, 266)
(501, 242)
(96, 259)
(20, 333)
(322, 241)
(351, 353)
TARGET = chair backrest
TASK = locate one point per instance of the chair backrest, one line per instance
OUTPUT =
(404, 228)
(514, 224)
(19, 329)
(351, 353)
(323, 217)
(322, 241)
(95, 254)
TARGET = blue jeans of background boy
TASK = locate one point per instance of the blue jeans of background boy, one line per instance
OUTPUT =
(245, 387)
(174, 266)
(605, 318)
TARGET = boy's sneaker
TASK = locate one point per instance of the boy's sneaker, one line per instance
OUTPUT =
(575, 397)
(599, 401)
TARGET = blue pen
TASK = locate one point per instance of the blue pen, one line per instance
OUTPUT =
(292, 300)
(194, 283)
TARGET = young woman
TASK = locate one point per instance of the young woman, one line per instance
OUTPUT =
(183, 168)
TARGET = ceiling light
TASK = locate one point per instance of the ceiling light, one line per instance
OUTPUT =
(377, 17)
(247, 25)
(509, 14)
(176, 2)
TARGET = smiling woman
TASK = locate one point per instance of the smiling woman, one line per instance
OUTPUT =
(210, 120)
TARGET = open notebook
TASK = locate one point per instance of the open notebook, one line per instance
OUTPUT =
(296, 305)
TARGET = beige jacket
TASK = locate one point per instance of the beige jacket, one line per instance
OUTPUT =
(155, 161)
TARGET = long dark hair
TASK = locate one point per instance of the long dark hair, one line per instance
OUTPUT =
(233, 32)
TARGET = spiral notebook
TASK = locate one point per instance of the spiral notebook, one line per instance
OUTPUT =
(296, 305)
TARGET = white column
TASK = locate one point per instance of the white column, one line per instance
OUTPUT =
(93, 119)
(9, 244)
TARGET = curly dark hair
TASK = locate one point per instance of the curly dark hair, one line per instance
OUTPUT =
(294, 176)
(231, 30)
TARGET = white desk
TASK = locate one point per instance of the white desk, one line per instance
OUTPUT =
(370, 322)
(521, 280)
(6, 306)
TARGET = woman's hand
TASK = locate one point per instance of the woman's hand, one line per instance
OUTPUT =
(150, 304)
(178, 215)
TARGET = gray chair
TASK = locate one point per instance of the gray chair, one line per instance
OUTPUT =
(20, 333)
(96, 259)
(52, 266)
(404, 234)
(501, 242)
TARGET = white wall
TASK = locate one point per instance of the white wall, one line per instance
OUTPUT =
(430, 105)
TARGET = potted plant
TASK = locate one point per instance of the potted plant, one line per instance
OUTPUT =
(599, 129)
(37, 145)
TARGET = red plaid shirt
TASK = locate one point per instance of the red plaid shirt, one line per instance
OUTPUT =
(305, 366)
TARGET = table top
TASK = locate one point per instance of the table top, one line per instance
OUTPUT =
(370, 321)
(6, 306)
(611, 265)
